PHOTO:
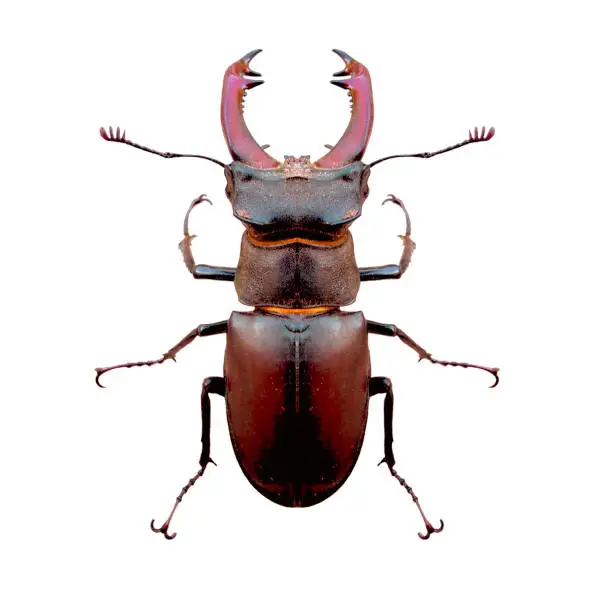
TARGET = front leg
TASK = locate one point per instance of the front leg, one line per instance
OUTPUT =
(388, 329)
(207, 329)
(201, 270)
(392, 270)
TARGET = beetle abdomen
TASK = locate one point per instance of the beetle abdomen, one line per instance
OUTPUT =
(297, 396)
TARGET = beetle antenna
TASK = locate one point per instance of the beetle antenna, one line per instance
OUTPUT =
(428, 526)
(117, 136)
(477, 137)
(164, 528)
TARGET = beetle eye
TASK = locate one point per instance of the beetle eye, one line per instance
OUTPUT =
(365, 188)
(229, 188)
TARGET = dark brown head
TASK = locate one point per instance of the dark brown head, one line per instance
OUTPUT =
(297, 197)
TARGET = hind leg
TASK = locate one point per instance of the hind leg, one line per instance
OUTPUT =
(216, 385)
(379, 385)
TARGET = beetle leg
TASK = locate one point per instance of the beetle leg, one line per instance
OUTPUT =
(393, 270)
(117, 136)
(377, 385)
(216, 385)
(201, 270)
(164, 528)
(207, 329)
(428, 526)
(387, 329)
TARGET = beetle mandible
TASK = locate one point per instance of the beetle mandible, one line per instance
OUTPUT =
(296, 378)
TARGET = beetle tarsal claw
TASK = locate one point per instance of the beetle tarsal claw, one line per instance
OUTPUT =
(428, 526)
(164, 528)
(100, 371)
(495, 372)
(460, 364)
(431, 529)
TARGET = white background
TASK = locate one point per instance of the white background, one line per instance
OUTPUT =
(511, 269)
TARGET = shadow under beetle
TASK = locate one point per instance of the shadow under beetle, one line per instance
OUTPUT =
(296, 378)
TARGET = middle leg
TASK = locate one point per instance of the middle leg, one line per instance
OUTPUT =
(387, 329)
(378, 385)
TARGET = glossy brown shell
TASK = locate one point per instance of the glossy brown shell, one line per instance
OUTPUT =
(297, 401)
(316, 200)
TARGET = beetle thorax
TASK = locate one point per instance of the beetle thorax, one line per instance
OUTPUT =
(297, 197)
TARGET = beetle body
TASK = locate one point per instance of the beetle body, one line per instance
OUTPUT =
(296, 377)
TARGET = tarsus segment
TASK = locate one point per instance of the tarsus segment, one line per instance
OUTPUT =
(387, 329)
(476, 137)
(392, 270)
(164, 528)
(119, 137)
(207, 329)
(428, 526)
(201, 271)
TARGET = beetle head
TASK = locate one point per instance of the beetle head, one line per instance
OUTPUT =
(323, 197)
(297, 197)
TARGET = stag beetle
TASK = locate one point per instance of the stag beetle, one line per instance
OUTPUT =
(296, 378)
